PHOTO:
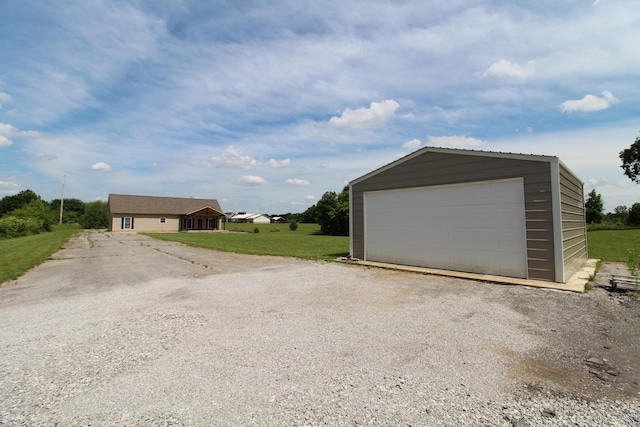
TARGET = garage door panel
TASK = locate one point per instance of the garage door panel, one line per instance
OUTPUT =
(478, 227)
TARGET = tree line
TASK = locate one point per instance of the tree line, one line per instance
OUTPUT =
(621, 215)
(26, 213)
(331, 213)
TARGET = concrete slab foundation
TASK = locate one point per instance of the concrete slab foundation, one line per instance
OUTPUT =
(576, 283)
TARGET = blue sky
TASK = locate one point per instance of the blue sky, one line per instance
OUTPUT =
(265, 105)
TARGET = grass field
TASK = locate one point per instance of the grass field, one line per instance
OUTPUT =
(272, 239)
(615, 245)
(23, 253)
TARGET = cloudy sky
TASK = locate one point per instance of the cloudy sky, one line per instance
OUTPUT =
(265, 105)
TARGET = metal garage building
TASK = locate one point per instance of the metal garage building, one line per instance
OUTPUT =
(504, 214)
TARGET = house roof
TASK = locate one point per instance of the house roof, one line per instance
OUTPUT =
(129, 204)
(498, 154)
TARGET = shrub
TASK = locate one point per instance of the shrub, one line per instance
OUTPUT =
(12, 226)
(256, 230)
(95, 215)
(40, 212)
(293, 225)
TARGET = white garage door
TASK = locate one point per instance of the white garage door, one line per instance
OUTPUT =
(474, 227)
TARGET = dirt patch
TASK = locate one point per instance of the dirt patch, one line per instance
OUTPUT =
(127, 330)
(592, 341)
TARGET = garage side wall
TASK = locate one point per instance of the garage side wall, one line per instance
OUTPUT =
(432, 168)
(574, 230)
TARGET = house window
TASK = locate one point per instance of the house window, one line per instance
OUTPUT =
(163, 220)
(127, 223)
(210, 223)
(188, 223)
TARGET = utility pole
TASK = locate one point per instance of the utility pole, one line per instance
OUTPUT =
(62, 199)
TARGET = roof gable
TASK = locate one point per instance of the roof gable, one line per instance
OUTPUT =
(152, 205)
(457, 151)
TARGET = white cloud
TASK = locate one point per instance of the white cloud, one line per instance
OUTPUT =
(297, 181)
(6, 131)
(377, 113)
(8, 184)
(511, 69)
(252, 180)
(4, 97)
(590, 103)
(455, 141)
(29, 133)
(232, 158)
(273, 163)
(101, 166)
(414, 143)
(4, 141)
(310, 197)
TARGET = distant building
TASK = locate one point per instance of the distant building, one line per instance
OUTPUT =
(253, 218)
(150, 213)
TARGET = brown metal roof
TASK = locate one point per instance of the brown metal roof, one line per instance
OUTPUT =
(127, 204)
(497, 154)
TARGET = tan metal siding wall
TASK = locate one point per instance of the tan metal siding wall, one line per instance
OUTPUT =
(116, 222)
(539, 221)
(152, 223)
(443, 168)
(574, 231)
(146, 222)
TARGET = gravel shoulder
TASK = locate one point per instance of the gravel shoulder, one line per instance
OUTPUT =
(127, 330)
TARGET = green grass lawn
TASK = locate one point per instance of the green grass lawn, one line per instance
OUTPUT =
(22, 253)
(272, 239)
(615, 245)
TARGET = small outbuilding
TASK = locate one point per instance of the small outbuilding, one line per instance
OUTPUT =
(252, 218)
(504, 214)
(151, 213)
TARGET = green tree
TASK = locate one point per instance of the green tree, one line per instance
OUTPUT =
(634, 215)
(621, 214)
(72, 209)
(340, 214)
(594, 208)
(95, 215)
(631, 160)
(323, 210)
(332, 212)
(309, 215)
(11, 203)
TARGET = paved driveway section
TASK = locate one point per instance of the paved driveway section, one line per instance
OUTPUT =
(121, 329)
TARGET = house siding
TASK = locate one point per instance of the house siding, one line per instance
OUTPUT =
(440, 168)
(143, 223)
(146, 212)
(574, 232)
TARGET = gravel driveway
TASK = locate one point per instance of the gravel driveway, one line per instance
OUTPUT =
(120, 330)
